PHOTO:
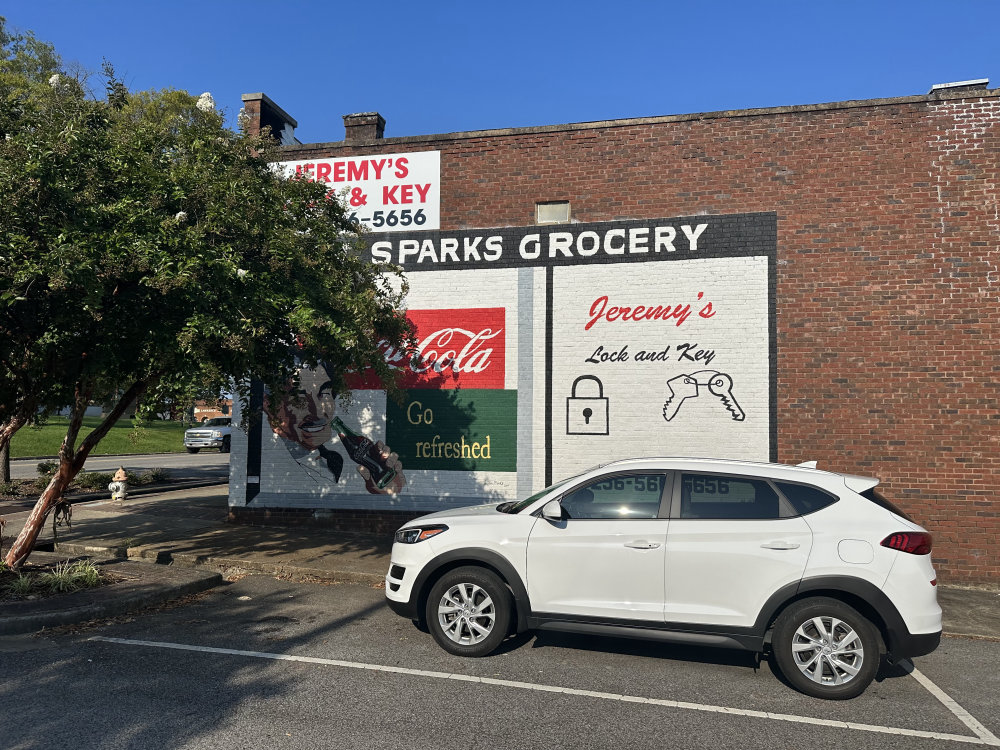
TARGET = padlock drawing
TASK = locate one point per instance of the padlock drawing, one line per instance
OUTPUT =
(587, 415)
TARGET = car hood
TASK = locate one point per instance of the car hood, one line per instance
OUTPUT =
(472, 510)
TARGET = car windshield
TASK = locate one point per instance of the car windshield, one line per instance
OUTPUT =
(218, 422)
(520, 505)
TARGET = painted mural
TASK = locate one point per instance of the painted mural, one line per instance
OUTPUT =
(542, 351)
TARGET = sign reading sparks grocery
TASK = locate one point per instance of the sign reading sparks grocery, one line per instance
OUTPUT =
(386, 192)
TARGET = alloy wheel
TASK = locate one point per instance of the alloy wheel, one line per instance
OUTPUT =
(827, 650)
(466, 614)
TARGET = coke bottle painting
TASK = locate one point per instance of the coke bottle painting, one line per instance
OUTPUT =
(306, 422)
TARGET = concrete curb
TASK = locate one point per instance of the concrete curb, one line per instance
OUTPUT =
(95, 455)
(147, 586)
(160, 489)
(148, 490)
(222, 563)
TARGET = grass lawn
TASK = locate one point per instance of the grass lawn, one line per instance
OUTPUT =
(152, 437)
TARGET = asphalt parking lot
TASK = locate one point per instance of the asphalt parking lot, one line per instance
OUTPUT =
(267, 663)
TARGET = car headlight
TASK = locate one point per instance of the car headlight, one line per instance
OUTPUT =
(414, 534)
(216, 434)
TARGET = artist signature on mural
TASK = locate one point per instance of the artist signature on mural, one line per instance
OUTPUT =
(684, 387)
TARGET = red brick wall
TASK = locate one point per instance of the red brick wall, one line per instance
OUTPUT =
(887, 297)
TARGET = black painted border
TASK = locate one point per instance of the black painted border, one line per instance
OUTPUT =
(253, 422)
(549, 302)
(727, 235)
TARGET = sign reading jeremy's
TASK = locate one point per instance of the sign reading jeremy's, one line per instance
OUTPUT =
(472, 429)
(575, 244)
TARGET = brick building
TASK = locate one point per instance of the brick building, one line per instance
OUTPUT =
(839, 262)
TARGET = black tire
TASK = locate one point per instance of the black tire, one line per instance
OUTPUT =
(225, 445)
(464, 627)
(193, 450)
(815, 671)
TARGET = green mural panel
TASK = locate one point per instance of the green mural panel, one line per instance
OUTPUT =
(455, 430)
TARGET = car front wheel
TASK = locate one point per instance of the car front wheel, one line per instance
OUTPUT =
(469, 611)
(826, 649)
(193, 450)
(225, 445)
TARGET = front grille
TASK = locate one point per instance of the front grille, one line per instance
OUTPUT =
(397, 572)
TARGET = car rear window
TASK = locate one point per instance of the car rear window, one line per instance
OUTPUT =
(725, 497)
(805, 498)
(879, 499)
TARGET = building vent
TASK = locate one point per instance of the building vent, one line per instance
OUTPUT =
(552, 212)
(978, 83)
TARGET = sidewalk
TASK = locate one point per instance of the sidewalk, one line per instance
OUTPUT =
(188, 529)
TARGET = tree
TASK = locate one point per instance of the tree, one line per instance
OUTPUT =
(24, 61)
(147, 251)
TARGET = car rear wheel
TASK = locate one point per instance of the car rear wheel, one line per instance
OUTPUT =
(469, 611)
(193, 450)
(825, 648)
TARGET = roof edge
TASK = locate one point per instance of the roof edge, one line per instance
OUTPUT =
(938, 96)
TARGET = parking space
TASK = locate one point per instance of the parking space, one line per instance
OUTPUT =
(278, 648)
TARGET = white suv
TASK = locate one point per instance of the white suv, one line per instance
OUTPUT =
(813, 567)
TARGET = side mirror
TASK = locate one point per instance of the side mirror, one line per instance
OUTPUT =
(552, 511)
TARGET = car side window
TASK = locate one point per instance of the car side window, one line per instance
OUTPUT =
(630, 496)
(805, 499)
(723, 497)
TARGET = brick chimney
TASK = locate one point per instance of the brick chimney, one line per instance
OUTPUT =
(260, 112)
(363, 126)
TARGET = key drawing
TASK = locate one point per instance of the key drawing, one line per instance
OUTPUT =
(722, 386)
(682, 387)
(717, 383)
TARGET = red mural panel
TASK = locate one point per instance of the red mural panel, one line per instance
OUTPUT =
(462, 347)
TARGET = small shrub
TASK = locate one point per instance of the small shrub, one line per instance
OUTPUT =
(159, 475)
(21, 586)
(46, 469)
(58, 580)
(94, 480)
(8, 488)
(85, 574)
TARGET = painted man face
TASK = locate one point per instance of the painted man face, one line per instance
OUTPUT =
(305, 416)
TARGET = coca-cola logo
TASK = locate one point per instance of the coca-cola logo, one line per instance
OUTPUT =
(461, 347)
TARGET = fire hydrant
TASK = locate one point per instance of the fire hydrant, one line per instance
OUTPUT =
(119, 487)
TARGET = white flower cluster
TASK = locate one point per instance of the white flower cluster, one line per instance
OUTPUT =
(241, 273)
(54, 80)
(181, 217)
(206, 103)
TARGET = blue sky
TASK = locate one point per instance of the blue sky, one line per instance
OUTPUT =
(448, 66)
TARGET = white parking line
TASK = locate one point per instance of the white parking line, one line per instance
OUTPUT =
(983, 735)
(964, 716)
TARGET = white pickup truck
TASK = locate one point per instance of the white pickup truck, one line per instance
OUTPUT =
(213, 433)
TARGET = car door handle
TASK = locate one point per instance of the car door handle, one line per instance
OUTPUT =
(641, 544)
(780, 545)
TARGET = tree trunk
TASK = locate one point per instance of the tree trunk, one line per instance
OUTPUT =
(7, 430)
(70, 463)
(25, 541)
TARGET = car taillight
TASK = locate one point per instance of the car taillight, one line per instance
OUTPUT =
(914, 542)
